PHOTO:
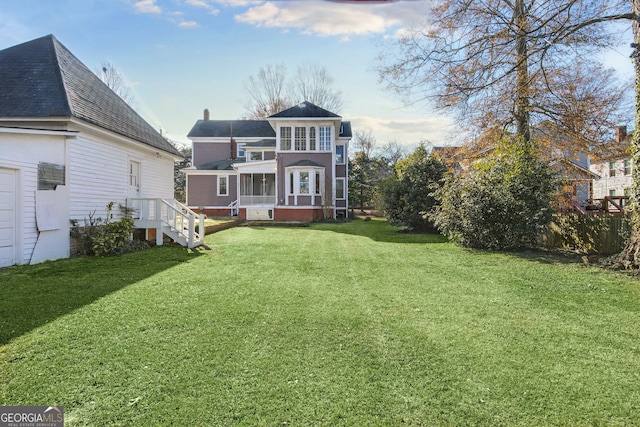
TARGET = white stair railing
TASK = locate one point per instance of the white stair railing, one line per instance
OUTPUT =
(170, 217)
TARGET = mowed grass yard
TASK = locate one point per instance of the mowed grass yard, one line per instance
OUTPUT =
(335, 324)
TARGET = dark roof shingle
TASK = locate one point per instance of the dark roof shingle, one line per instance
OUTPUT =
(304, 110)
(42, 78)
(229, 128)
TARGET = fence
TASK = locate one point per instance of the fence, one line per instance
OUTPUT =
(604, 234)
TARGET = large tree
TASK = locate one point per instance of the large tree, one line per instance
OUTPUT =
(271, 90)
(113, 78)
(496, 63)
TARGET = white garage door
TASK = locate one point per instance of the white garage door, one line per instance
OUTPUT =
(7, 217)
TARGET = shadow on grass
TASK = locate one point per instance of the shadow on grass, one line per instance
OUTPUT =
(34, 295)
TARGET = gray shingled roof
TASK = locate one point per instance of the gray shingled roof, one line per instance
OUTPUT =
(262, 143)
(305, 162)
(221, 165)
(305, 110)
(42, 78)
(346, 130)
(229, 128)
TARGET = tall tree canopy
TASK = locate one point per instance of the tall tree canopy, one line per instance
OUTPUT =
(508, 63)
(271, 90)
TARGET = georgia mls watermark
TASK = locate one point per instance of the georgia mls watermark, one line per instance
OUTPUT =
(31, 416)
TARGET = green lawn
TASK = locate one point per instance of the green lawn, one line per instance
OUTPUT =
(334, 324)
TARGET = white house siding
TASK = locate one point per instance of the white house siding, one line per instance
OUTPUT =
(22, 152)
(98, 174)
(620, 182)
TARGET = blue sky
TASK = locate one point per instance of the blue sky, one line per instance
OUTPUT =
(182, 56)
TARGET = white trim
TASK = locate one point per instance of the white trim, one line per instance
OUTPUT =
(72, 134)
(226, 177)
(344, 192)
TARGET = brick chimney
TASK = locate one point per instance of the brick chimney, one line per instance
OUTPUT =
(234, 148)
(621, 133)
(206, 114)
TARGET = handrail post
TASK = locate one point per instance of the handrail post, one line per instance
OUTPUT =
(192, 230)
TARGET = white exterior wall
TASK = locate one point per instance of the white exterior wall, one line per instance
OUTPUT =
(22, 152)
(98, 174)
(620, 182)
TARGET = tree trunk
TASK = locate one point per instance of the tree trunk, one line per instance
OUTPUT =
(522, 72)
(629, 258)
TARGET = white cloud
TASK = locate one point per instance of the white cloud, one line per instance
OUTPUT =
(407, 132)
(147, 6)
(203, 5)
(187, 24)
(331, 19)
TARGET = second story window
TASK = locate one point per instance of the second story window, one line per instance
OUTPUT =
(325, 138)
(312, 138)
(627, 167)
(241, 152)
(285, 138)
(301, 139)
(339, 153)
(612, 169)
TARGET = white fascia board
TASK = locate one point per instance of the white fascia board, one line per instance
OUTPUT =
(260, 166)
(30, 131)
(194, 171)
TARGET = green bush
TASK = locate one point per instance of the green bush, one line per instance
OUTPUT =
(407, 197)
(103, 236)
(502, 203)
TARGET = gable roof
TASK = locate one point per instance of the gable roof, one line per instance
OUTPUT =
(231, 128)
(304, 110)
(42, 79)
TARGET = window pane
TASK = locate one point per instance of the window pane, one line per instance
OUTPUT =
(301, 139)
(325, 138)
(291, 183)
(50, 176)
(312, 138)
(256, 155)
(627, 167)
(222, 185)
(339, 153)
(304, 182)
(340, 188)
(318, 183)
(245, 185)
(612, 168)
(285, 138)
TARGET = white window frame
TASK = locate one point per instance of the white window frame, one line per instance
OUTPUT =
(324, 138)
(344, 195)
(252, 153)
(226, 178)
(300, 138)
(293, 183)
(240, 153)
(289, 138)
(342, 161)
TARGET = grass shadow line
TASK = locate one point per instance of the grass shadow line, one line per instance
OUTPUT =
(34, 295)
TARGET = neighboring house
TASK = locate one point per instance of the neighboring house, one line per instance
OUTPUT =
(614, 166)
(290, 167)
(68, 147)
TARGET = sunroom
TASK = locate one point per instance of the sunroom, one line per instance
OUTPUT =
(257, 188)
